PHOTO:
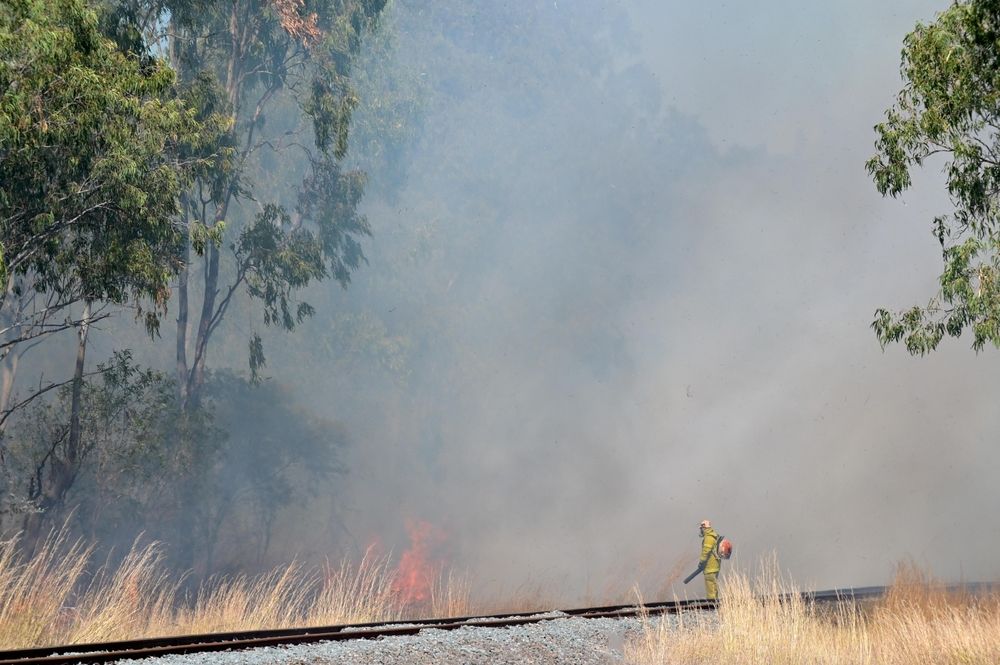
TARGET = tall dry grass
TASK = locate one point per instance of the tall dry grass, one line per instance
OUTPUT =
(275, 599)
(918, 622)
(526, 596)
(451, 594)
(134, 597)
(358, 593)
(36, 594)
(56, 597)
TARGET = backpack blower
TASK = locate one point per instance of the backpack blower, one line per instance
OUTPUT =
(723, 550)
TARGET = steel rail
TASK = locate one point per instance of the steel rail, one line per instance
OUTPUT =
(107, 652)
(245, 635)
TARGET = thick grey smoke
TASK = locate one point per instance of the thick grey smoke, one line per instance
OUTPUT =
(624, 262)
(648, 281)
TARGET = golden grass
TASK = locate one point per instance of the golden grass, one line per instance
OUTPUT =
(356, 593)
(274, 599)
(918, 622)
(35, 594)
(53, 598)
(450, 595)
(134, 598)
(527, 596)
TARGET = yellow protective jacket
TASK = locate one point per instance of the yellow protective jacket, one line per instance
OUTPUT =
(708, 555)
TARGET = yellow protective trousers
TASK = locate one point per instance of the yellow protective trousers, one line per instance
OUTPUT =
(712, 586)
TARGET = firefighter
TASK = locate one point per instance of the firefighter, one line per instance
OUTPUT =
(709, 562)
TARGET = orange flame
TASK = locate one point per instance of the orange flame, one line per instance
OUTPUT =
(418, 564)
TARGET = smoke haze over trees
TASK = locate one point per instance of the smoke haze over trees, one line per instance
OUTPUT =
(560, 278)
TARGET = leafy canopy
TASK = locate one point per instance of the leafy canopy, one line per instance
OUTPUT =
(950, 106)
(90, 172)
(279, 73)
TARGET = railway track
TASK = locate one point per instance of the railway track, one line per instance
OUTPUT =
(108, 652)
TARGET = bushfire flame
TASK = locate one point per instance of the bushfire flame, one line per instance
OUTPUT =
(419, 564)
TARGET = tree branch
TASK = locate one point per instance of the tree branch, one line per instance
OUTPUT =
(4, 415)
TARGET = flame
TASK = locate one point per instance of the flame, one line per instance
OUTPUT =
(418, 564)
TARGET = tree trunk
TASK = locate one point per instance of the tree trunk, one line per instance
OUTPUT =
(182, 330)
(197, 373)
(73, 444)
(8, 366)
(8, 373)
(64, 468)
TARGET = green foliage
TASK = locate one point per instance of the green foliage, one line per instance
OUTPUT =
(226, 468)
(329, 200)
(277, 260)
(950, 106)
(279, 73)
(89, 166)
(127, 416)
(149, 145)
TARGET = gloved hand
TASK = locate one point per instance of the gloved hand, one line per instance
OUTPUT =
(702, 564)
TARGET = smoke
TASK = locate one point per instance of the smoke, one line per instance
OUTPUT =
(624, 262)
(634, 259)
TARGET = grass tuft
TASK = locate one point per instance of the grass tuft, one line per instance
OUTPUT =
(451, 595)
(52, 597)
(359, 593)
(918, 622)
(36, 593)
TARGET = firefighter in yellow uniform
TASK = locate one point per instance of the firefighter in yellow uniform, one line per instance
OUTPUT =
(709, 562)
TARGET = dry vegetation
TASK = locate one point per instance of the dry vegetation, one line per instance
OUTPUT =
(61, 595)
(450, 593)
(54, 597)
(919, 622)
(527, 596)
(58, 597)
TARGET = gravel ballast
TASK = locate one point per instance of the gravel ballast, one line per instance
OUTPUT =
(562, 640)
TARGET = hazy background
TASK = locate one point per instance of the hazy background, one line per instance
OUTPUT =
(624, 260)
(656, 310)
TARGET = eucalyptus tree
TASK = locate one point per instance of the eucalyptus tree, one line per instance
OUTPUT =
(91, 169)
(95, 151)
(949, 108)
(278, 211)
(270, 206)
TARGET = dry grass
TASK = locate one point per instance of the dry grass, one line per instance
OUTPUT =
(917, 623)
(243, 603)
(619, 587)
(356, 593)
(528, 596)
(36, 595)
(133, 598)
(450, 595)
(53, 598)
